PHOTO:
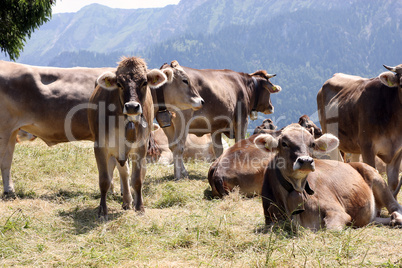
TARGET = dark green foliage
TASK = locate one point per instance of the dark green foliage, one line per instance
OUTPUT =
(18, 19)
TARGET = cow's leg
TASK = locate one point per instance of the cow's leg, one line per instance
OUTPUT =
(217, 143)
(105, 180)
(384, 198)
(138, 175)
(179, 168)
(125, 185)
(368, 154)
(337, 219)
(394, 183)
(7, 146)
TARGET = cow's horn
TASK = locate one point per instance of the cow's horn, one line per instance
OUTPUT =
(396, 69)
(270, 75)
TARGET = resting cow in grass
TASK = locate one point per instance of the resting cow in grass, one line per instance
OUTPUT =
(120, 117)
(321, 193)
(244, 164)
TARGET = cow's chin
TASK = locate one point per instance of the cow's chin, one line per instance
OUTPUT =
(300, 174)
(269, 111)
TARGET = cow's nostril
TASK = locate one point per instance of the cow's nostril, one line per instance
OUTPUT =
(132, 108)
(202, 101)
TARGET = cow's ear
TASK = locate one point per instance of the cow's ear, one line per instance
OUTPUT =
(107, 81)
(325, 144)
(169, 74)
(267, 142)
(389, 79)
(156, 78)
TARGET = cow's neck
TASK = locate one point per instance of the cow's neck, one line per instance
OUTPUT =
(256, 94)
(287, 185)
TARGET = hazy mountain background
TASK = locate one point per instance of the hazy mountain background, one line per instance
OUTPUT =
(303, 41)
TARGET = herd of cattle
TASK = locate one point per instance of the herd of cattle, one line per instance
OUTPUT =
(116, 108)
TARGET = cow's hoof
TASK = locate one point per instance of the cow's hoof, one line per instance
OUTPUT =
(396, 219)
(126, 206)
(10, 195)
(140, 210)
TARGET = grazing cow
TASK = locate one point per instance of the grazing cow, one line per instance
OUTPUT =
(365, 114)
(229, 98)
(244, 164)
(120, 116)
(321, 193)
(267, 124)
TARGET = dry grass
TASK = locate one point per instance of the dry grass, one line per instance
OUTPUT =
(53, 223)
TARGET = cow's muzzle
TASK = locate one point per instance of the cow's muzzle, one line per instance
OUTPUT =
(304, 163)
(132, 108)
(197, 103)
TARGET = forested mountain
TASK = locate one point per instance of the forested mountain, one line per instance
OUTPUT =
(303, 41)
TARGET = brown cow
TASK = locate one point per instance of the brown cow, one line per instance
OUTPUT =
(267, 124)
(321, 193)
(308, 124)
(365, 114)
(229, 98)
(244, 164)
(51, 103)
(241, 165)
(120, 117)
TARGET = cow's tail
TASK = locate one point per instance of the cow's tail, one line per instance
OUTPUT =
(216, 183)
(154, 150)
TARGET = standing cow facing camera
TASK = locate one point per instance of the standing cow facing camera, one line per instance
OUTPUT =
(120, 117)
(321, 193)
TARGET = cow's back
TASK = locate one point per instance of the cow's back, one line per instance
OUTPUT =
(48, 101)
(338, 185)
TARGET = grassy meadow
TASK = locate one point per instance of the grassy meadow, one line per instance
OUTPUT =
(53, 222)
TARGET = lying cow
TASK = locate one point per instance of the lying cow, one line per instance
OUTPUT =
(267, 124)
(52, 105)
(230, 97)
(243, 165)
(124, 127)
(365, 114)
(321, 193)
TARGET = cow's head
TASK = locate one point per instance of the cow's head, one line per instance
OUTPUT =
(306, 122)
(295, 147)
(263, 88)
(132, 80)
(393, 78)
(267, 124)
(179, 91)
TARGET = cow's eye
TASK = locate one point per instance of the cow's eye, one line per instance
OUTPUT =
(284, 144)
(312, 145)
(185, 81)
